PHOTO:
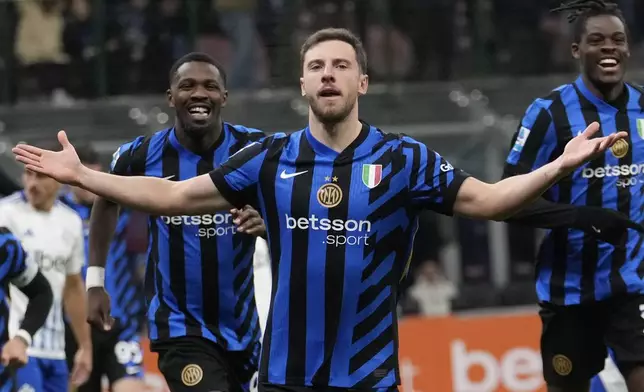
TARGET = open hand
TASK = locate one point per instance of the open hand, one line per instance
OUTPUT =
(582, 148)
(63, 166)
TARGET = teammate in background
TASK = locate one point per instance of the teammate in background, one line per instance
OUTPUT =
(341, 201)
(202, 316)
(52, 235)
(16, 268)
(584, 284)
(117, 353)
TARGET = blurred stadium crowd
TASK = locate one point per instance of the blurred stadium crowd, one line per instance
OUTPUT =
(63, 50)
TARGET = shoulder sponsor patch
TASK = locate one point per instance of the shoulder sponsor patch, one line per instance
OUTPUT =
(522, 137)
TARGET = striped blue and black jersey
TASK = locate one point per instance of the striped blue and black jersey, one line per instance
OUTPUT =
(199, 278)
(13, 267)
(573, 267)
(340, 230)
(122, 277)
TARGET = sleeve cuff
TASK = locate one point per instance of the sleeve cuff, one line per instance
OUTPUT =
(452, 191)
(231, 195)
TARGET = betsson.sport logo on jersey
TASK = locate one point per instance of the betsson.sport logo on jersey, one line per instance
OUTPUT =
(354, 232)
(218, 224)
(629, 171)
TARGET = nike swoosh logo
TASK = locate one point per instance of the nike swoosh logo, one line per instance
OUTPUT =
(168, 177)
(285, 176)
(596, 230)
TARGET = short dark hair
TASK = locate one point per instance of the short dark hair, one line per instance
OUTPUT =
(197, 57)
(334, 34)
(87, 154)
(582, 10)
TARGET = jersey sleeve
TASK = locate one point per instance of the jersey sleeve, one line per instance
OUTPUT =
(533, 143)
(237, 178)
(15, 266)
(434, 182)
(77, 259)
(124, 156)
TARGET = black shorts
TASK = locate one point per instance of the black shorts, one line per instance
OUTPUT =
(197, 365)
(575, 338)
(117, 354)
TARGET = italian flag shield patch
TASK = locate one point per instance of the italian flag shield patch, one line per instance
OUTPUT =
(371, 175)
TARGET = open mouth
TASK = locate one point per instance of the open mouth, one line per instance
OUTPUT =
(199, 112)
(329, 92)
(609, 64)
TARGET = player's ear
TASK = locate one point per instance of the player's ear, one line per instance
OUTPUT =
(168, 94)
(574, 49)
(302, 87)
(224, 98)
(363, 85)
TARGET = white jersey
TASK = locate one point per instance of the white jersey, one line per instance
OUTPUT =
(54, 241)
(263, 280)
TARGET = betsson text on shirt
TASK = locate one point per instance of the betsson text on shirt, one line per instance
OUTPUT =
(210, 225)
(339, 232)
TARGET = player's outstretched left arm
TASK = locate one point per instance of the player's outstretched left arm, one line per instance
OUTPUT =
(501, 200)
(155, 196)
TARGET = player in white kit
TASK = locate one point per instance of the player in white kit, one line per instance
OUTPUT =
(52, 235)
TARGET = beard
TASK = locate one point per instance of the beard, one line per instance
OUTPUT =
(331, 114)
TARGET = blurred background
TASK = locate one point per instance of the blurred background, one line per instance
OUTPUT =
(455, 74)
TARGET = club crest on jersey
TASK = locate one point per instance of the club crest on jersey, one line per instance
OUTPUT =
(329, 195)
(371, 175)
(562, 365)
(620, 148)
(191, 375)
(640, 127)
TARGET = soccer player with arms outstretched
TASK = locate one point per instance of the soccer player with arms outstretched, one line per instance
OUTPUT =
(52, 235)
(590, 291)
(341, 200)
(117, 353)
(20, 271)
(202, 318)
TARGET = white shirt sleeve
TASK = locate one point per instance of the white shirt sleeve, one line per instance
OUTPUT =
(78, 252)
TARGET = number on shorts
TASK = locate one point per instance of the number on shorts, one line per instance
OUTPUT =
(128, 353)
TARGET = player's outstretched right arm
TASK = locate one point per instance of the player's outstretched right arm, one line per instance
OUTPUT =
(156, 196)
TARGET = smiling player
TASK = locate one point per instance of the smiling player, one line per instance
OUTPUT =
(590, 292)
(202, 316)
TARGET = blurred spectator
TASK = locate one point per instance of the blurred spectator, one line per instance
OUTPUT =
(238, 20)
(168, 40)
(39, 47)
(133, 20)
(78, 43)
(432, 291)
(430, 26)
(80, 40)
